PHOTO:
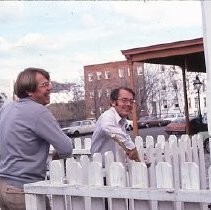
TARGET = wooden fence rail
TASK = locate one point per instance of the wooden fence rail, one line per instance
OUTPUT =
(176, 180)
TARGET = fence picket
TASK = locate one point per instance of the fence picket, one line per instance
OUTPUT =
(118, 179)
(190, 180)
(164, 180)
(57, 176)
(139, 179)
(96, 179)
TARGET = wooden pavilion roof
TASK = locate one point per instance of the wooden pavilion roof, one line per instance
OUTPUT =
(187, 53)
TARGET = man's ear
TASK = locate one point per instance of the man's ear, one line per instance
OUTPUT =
(113, 103)
(29, 93)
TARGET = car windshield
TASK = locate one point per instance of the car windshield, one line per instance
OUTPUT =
(179, 120)
(72, 124)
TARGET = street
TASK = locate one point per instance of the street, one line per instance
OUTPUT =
(153, 131)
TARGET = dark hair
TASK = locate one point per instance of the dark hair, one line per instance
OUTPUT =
(115, 93)
(26, 81)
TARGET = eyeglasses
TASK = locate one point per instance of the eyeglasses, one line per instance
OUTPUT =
(126, 100)
(45, 84)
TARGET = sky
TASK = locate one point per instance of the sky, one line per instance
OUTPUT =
(64, 36)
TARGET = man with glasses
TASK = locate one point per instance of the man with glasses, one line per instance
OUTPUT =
(27, 128)
(110, 133)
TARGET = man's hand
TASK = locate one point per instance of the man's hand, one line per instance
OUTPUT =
(133, 154)
(55, 155)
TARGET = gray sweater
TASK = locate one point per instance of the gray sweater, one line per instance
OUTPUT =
(27, 129)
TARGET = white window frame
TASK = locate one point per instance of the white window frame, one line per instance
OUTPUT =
(99, 75)
(90, 77)
(121, 73)
(107, 74)
(139, 70)
(91, 94)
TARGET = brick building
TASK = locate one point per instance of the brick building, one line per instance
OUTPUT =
(100, 79)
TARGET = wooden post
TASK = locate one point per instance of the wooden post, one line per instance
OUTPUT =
(134, 114)
(185, 99)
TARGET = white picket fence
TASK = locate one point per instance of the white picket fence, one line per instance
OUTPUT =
(176, 180)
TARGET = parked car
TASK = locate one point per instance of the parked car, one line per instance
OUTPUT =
(77, 128)
(141, 123)
(170, 117)
(148, 121)
(178, 126)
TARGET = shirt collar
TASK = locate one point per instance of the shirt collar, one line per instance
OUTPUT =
(120, 120)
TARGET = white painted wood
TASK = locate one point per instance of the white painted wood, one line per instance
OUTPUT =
(97, 157)
(57, 171)
(164, 175)
(175, 164)
(175, 153)
(74, 176)
(57, 176)
(35, 202)
(139, 175)
(164, 180)
(152, 177)
(139, 142)
(118, 179)
(202, 170)
(195, 149)
(159, 153)
(77, 143)
(206, 17)
(87, 143)
(150, 141)
(109, 159)
(85, 161)
(74, 173)
(161, 140)
(188, 152)
(167, 153)
(190, 176)
(58, 202)
(176, 171)
(171, 139)
(95, 174)
(139, 179)
(96, 179)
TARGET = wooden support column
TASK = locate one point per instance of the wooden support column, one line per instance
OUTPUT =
(134, 114)
(185, 98)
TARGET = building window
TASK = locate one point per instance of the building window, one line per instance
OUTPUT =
(203, 86)
(92, 112)
(139, 70)
(128, 71)
(108, 92)
(175, 85)
(107, 74)
(165, 104)
(196, 102)
(101, 110)
(188, 84)
(121, 73)
(90, 77)
(163, 84)
(99, 93)
(99, 75)
(91, 94)
(176, 103)
(205, 102)
(189, 102)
